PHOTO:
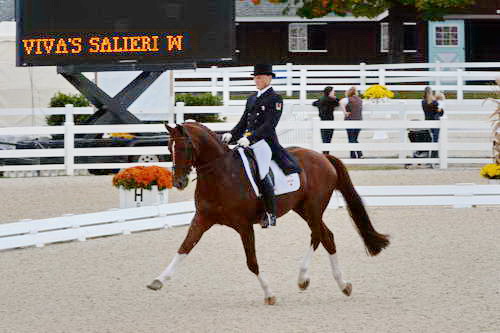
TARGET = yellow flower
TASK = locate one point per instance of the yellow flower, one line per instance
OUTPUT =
(378, 91)
(491, 171)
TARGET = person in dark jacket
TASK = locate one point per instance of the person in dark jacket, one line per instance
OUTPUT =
(257, 126)
(326, 106)
(431, 112)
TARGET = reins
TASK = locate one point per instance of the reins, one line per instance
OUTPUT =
(205, 168)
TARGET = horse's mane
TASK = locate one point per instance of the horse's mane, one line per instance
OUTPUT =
(208, 131)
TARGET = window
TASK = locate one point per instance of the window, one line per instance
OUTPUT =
(409, 35)
(446, 36)
(307, 37)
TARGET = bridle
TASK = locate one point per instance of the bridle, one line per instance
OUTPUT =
(191, 162)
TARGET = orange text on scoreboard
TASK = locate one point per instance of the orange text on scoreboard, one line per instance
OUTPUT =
(102, 45)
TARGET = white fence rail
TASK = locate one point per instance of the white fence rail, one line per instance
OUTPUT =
(302, 137)
(125, 221)
(82, 227)
(297, 127)
(303, 79)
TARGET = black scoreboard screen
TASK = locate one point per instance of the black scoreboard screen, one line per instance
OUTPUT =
(72, 32)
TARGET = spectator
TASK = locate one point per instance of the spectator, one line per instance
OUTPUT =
(353, 108)
(429, 105)
(326, 105)
(431, 112)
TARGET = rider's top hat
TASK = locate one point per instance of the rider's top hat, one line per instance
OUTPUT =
(263, 69)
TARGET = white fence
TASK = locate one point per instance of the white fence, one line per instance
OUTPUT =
(125, 221)
(298, 128)
(82, 227)
(303, 79)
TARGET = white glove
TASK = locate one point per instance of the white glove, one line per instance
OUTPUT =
(244, 142)
(226, 137)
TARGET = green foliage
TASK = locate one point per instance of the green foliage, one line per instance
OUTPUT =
(429, 9)
(201, 100)
(60, 100)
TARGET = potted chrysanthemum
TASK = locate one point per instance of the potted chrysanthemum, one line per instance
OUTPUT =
(143, 186)
(378, 94)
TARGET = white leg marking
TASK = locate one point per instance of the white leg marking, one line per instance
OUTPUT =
(170, 270)
(263, 283)
(337, 274)
(304, 267)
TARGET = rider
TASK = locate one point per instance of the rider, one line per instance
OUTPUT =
(258, 123)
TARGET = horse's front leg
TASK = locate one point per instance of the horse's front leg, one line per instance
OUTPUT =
(248, 239)
(196, 230)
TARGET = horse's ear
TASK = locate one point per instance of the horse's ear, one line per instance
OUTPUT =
(169, 128)
(181, 130)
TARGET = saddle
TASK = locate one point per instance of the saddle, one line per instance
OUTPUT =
(254, 166)
(282, 182)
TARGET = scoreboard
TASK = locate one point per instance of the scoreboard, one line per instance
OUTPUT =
(87, 32)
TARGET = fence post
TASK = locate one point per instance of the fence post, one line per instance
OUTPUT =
(362, 77)
(289, 79)
(438, 77)
(179, 112)
(443, 142)
(460, 84)
(170, 96)
(303, 86)
(381, 76)
(69, 141)
(316, 134)
(214, 80)
(402, 133)
(225, 88)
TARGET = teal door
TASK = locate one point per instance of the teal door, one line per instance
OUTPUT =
(446, 41)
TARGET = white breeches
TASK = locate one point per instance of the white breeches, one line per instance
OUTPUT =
(263, 154)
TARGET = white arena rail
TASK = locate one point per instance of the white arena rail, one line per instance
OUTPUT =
(82, 227)
(450, 77)
(125, 221)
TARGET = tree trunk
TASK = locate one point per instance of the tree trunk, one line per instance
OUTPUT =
(396, 34)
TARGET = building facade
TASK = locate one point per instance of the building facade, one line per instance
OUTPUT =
(266, 34)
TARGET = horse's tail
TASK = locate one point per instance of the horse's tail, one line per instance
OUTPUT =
(374, 242)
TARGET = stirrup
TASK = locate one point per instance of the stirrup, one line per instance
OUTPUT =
(268, 220)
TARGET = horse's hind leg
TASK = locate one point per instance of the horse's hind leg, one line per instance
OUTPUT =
(304, 280)
(320, 233)
(329, 244)
(248, 238)
(196, 230)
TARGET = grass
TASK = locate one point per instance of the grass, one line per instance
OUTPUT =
(398, 95)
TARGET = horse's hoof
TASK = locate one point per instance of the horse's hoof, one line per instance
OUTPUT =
(270, 300)
(348, 289)
(304, 284)
(155, 285)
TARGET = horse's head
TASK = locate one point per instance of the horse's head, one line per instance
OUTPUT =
(191, 145)
(182, 149)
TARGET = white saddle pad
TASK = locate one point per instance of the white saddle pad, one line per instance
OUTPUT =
(282, 183)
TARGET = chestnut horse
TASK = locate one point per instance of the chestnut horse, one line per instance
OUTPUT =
(224, 196)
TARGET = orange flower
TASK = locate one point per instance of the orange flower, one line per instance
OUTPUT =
(144, 177)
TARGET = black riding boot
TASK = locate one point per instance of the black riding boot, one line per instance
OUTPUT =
(267, 189)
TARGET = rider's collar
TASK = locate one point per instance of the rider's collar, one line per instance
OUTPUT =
(261, 92)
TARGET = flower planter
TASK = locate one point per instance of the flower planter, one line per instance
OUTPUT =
(139, 197)
(494, 181)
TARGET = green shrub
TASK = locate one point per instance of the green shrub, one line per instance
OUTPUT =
(60, 100)
(201, 100)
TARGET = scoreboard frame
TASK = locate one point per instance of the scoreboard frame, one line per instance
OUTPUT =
(77, 51)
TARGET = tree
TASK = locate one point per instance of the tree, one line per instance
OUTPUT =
(425, 9)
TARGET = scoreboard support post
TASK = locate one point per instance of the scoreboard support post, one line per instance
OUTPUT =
(113, 110)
